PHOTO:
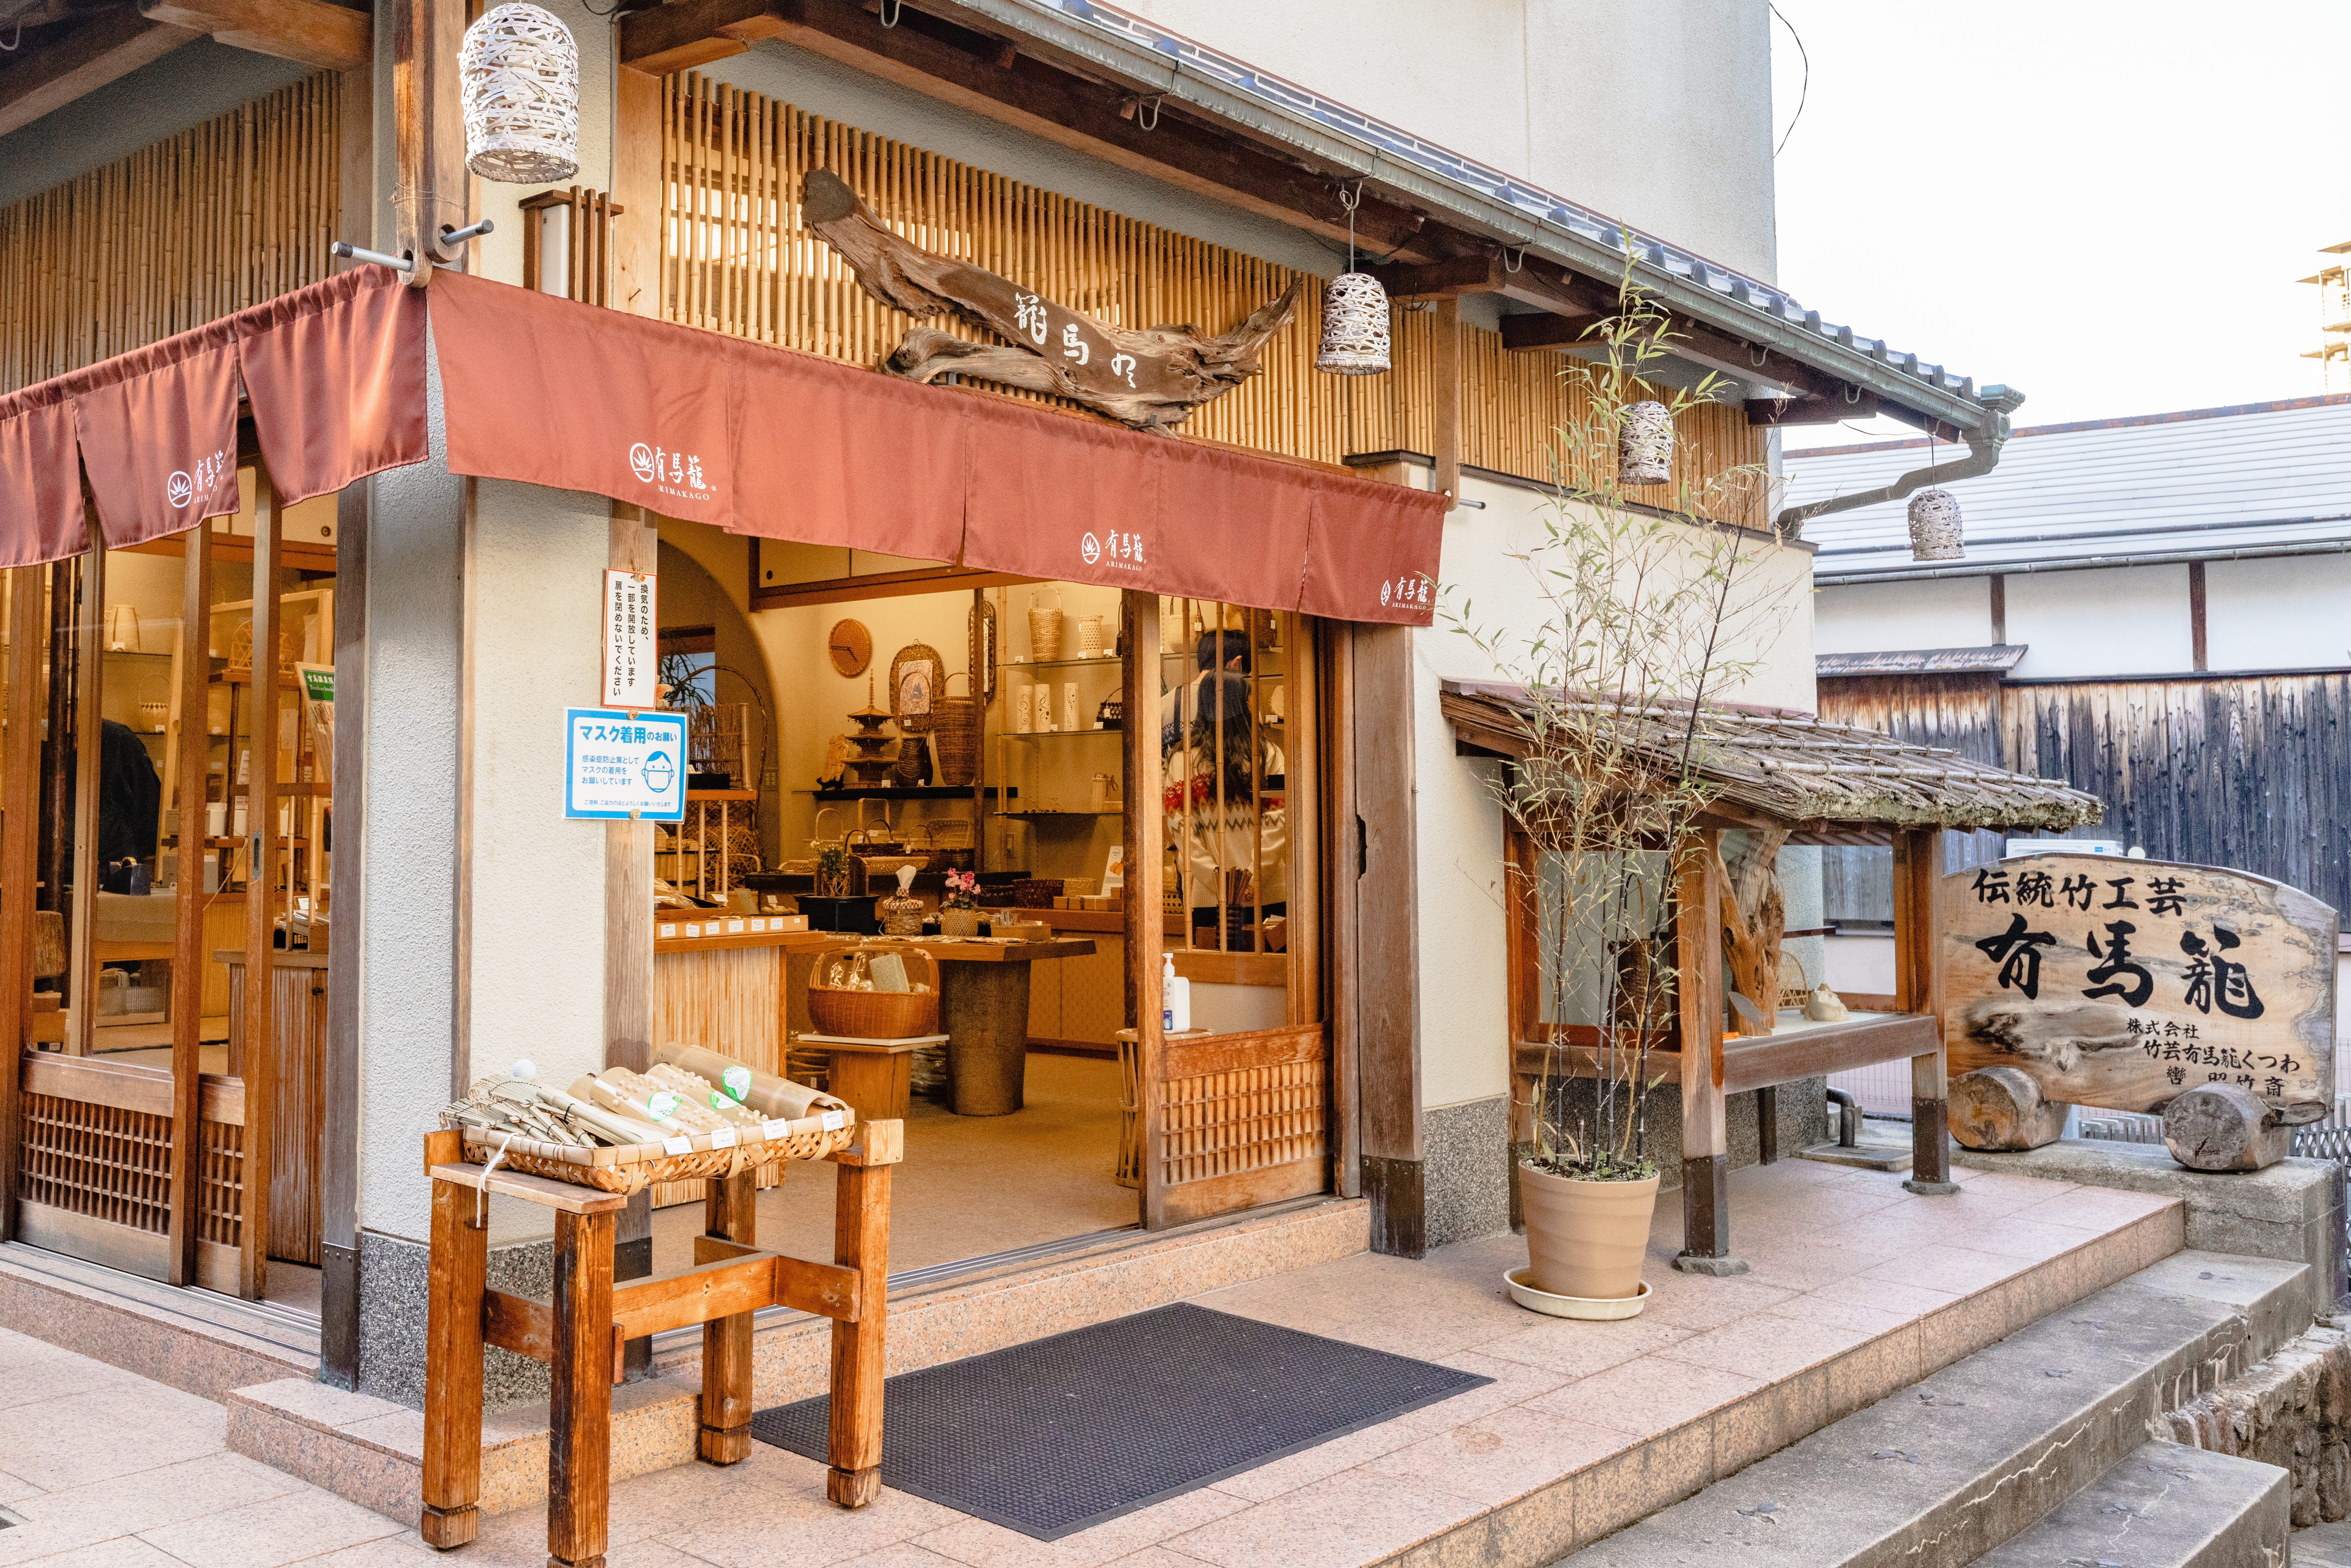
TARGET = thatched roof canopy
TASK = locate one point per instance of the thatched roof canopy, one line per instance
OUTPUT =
(1773, 766)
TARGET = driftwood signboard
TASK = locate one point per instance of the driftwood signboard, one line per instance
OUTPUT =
(1151, 379)
(2123, 983)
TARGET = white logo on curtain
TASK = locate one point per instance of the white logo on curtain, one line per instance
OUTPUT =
(1123, 548)
(640, 461)
(1090, 547)
(675, 474)
(179, 489)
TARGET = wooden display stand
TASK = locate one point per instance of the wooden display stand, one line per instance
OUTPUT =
(873, 1077)
(580, 1333)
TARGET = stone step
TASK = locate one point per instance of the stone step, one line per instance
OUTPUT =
(1943, 1471)
(2164, 1505)
(2323, 1546)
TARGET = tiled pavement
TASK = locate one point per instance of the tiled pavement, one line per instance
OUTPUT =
(1856, 1286)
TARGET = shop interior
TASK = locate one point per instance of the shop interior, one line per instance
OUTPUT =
(961, 731)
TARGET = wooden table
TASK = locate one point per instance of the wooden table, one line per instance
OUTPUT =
(580, 1333)
(873, 1076)
(984, 1007)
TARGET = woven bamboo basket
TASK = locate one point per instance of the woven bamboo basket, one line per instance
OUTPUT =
(630, 1168)
(1045, 627)
(1793, 992)
(954, 734)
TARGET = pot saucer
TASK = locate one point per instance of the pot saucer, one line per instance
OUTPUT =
(1593, 1308)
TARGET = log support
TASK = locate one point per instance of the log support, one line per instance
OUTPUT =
(2000, 1108)
(2221, 1127)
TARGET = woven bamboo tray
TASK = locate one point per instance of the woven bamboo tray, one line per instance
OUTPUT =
(628, 1168)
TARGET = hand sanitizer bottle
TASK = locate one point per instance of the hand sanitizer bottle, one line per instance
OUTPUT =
(1174, 998)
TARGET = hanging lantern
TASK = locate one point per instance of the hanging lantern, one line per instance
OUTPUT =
(1645, 446)
(1935, 526)
(1355, 327)
(519, 72)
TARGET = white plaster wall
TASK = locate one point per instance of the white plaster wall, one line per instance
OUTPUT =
(2283, 613)
(1658, 113)
(499, 255)
(1464, 976)
(2118, 621)
(1884, 617)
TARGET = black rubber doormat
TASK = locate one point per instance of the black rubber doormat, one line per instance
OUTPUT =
(1053, 1436)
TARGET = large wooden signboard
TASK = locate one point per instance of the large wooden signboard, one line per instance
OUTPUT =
(2122, 983)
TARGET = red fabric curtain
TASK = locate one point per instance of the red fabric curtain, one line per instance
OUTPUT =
(40, 481)
(335, 372)
(1372, 552)
(336, 377)
(1056, 497)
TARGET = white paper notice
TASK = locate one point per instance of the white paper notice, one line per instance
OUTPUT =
(677, 1145)
(834, 1121)
(724, 1138)
(776, 1129)
(632, 653)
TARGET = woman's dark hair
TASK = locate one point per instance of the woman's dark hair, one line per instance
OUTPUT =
(1219, 648)
(1220, 702)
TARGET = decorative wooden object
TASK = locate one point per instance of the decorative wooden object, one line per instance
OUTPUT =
(850, 647)
(2125, 983)
(1753, 916)
(1645, 446)
(1935, 526)
(916, 720)
(588, 245)
(519, 72)
(1151, 380)
(2221, 1127)
(984, 649)
(2000, 1108)
(580, 1331)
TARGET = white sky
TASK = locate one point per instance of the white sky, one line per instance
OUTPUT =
(2103, 205)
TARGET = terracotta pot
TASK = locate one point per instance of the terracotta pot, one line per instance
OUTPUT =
(1586, 1237)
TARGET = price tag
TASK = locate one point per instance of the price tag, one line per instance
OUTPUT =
(776, 1129)
(691, 929)
(724, 1138)
(758, 924)
(834, 1121)
(668, 930)
(734, 928)
(677, 1145)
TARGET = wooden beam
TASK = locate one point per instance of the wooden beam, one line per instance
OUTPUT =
(1446, 378)
(257, 1055)
(188, 955)
(307, 32)
(108, 48)
(580, 1396)
(1773, 412)
(1146, 931)
(20, 766)
(1521, 333)
(456, 1270)
(1697, 983)
(89, 610)
(2197, 646)
(1530, 281)
(963, 66)
(1918, 864)
(428, 130)
(637, 191)
(525, 1327)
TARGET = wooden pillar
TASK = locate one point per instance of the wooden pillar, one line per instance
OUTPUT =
(636, 190)
(1384, 887)
(452, 1350)
(1918, 862)
(1336, 654)
(189, 959)
(428, 130)
(1445, 378)
(257, 1060)
(861, 1240)
(730, 1213)
(579, 1392)
(1145, 927)
(20, 768)
(338, 1140)
(1697, 984)
(635, 546)
(81, 922)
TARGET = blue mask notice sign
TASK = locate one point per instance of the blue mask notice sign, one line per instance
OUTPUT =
(620, 764)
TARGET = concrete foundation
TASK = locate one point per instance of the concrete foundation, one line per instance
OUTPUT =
(2294, 1211)
(2292, 1410)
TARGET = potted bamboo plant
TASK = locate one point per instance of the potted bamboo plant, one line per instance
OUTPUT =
(1640, 608)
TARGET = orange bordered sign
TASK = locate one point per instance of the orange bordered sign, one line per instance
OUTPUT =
(2123, 983)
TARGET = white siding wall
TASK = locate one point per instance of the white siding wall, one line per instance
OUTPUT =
(1882, 617)
(2125, 621)
(2286, 613)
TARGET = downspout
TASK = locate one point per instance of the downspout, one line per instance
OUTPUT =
(1984, 442)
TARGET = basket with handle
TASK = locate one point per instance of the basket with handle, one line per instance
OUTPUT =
(1792, 993)
(955, 734)
(1045, 626)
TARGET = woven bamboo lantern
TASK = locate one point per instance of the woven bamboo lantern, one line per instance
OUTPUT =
(1355, 327)
(1935, 526)
(1645, 446)
(519, 72)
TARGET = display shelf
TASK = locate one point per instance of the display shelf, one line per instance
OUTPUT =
(1034, 816)
(1055, 734)
(906, 792)
(1105, 660)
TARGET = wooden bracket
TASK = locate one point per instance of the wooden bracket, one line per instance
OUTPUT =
(878, 1144)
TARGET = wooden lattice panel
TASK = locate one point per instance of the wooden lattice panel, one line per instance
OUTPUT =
(225, 214)
(104, 1160)
(736, 259)
(1227, 1123)
(220, 1193)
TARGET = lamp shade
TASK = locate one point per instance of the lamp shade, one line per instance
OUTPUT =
(1355, 327)
(1935, 526)
(1645, 445)
(519, 72)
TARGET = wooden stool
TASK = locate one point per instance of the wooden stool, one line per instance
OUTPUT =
(874, 1076)
(580, 1333)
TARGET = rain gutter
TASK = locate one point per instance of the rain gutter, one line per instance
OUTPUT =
(2082, 563)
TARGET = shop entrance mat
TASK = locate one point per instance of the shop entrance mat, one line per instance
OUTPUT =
(1053, 1436)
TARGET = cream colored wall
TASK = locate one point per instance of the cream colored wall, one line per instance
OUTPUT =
(1464, 976)
(1658, 114)
(499, 255)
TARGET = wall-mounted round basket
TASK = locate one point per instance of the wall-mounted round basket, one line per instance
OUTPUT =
(518, 70)
(1935, 526)
(914, 704)
(1645, 446)
(1355, 327)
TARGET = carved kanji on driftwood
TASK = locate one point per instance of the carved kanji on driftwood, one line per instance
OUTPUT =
(1151, 379)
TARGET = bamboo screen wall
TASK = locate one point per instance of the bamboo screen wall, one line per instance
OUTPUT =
(223, 215)
(736, 260)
